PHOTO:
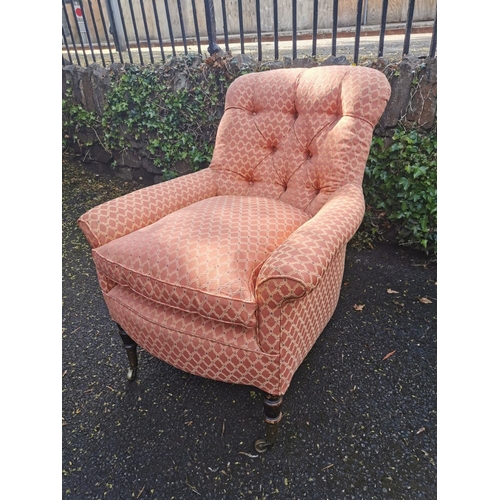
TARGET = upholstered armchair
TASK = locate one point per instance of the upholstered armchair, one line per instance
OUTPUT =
(232, 272)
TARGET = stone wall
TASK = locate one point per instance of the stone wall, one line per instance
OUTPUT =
(413, 104)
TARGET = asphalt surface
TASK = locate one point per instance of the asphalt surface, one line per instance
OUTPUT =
(359, 417)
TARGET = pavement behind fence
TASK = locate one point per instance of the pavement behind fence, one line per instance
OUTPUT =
(420, 42)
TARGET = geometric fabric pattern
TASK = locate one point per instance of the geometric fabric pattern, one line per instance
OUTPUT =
(298, 134)
(204, 258)
(232, 272)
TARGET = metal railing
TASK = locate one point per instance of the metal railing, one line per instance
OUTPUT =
(149, 31)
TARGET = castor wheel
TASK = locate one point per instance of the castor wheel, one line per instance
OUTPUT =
(131, 348)
(132, 373)
(272, 418)
(261, 445)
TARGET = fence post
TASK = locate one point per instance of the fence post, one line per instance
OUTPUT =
(409, 21)
(211, 30)
(116, 25)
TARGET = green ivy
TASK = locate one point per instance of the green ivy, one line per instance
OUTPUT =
(177, 126)
(401, 189)
(75, 118)
(174, 129)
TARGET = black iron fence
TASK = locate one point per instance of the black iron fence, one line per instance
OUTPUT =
(149, 31)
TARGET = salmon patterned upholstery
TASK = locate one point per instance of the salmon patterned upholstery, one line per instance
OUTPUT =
(204, 258)
(283, 130)
(232, 272)
(127, 214)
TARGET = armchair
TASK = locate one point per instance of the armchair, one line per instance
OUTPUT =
(232, 272)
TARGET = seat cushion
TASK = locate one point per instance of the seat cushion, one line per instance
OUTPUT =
(204, 258)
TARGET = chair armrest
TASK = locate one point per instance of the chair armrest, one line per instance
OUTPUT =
(300, 262)
(133, 211)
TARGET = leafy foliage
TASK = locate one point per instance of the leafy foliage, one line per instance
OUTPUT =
(75, 119)
(168, 114)
(401, 189)
(172, 124)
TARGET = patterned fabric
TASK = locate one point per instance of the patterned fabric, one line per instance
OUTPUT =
(224, 352)
(210, 349)
(298, 134)
(300, 265)
(203, 258)
(305, 256)
(124, 215)
(233, 272)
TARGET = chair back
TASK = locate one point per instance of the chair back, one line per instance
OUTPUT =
(298, 134)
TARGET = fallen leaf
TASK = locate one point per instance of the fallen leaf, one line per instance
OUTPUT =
(425, 300)
(193, 488)
(327, 467)
(391, 291)
(388, 355)
(358, 307)
(247, 454)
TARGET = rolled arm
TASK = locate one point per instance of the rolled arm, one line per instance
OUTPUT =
(139, 209)
(300, 262)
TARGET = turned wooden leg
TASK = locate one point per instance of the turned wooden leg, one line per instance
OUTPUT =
(131, 348)
(272, 419)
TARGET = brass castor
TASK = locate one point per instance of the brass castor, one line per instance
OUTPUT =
(131, 348)
(272, 419)
(132, 373)
(261, 445)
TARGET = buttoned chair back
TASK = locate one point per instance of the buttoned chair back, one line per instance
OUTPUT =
(298, 135)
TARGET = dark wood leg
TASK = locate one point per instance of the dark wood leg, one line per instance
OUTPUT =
(131, 348)
(272, 419)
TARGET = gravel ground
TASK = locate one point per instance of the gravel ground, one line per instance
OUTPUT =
(359, 417)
